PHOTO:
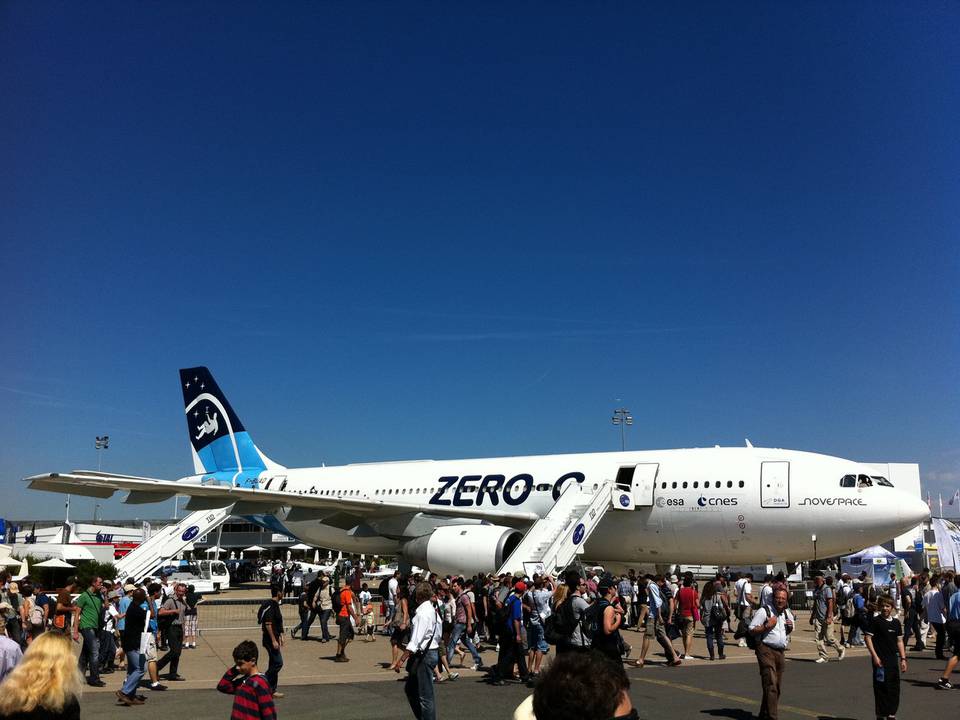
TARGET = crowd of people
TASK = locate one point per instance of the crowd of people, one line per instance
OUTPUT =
(120, 627)
(434, 622)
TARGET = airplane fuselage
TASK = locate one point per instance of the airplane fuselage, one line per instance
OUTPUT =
(730, 505)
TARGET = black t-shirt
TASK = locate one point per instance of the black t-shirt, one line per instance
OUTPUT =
(133, 625)
(884, 634)
(272, 615)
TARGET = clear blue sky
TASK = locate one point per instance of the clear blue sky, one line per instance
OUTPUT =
(402, 230)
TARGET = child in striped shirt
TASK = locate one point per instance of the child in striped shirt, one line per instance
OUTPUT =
(252, 699)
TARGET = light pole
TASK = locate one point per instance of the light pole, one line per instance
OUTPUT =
(101, 444)
(622, 417)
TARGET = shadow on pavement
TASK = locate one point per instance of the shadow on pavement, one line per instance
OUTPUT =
(733, 713)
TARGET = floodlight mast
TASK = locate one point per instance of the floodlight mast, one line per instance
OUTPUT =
(622, 417)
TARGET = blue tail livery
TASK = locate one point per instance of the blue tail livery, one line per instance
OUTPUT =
(221, 445)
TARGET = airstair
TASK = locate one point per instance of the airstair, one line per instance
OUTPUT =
(169, 541)
(554, 540)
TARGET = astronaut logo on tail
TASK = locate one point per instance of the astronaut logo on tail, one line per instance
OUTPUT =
(211, 426)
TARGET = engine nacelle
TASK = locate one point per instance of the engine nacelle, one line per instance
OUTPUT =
(462, 549)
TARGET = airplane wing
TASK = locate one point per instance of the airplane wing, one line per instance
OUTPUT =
(212, 495)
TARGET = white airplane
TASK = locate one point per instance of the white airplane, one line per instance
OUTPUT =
(729, 505)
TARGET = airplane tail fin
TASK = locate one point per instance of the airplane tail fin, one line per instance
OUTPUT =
(219, 441)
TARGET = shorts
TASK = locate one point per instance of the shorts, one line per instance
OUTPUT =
(535, 639)
(346, 629)
(686, 627)
(151, 648)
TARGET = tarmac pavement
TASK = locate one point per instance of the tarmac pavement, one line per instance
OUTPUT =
(316, 687)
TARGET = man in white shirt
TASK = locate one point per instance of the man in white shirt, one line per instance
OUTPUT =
(772, 627)
(743, 609)
(424, 647)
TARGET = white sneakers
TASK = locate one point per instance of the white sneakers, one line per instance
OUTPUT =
(843, 653)
(689, 657)
(742, 643)
(821, 660)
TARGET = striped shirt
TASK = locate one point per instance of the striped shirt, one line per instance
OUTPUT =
(252, 699)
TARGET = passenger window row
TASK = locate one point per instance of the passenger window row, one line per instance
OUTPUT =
(696, 484)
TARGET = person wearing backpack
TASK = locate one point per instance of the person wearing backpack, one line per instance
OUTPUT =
(511, 638)
(659, 609)
(607, 619)
(770, 630)
(714, 612)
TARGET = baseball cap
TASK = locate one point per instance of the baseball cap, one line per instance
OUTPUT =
(129, 588)
(520, 586)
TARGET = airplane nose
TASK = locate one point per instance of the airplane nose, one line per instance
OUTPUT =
(913, 511)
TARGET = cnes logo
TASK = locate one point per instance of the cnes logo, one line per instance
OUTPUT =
(705, 501)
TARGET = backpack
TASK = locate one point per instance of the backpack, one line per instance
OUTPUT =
(336, 601)
(36, 613)
(718, 613)
(560, 625)
(384, 589)
(263, 610)
(848, 609)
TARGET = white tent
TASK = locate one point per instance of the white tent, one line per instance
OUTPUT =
(24, 571)
(876, 561)
(214, 550)
(253, 548)
(9, 562)
(301, 546)
(55, 563)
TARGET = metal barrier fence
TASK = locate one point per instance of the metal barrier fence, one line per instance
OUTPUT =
(222, 614)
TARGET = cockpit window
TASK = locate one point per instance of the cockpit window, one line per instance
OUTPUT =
(848, 481)
(864, 481)
(880, 480)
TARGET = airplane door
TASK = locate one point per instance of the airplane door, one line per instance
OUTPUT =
(644, 483)
(640, 481)
(775, 484)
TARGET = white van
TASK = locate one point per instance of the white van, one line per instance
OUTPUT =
(216, 572)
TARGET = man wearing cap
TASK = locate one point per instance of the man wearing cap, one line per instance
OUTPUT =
(511, 638)
(90, 605)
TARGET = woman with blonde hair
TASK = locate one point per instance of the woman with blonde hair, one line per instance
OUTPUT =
(46, 683)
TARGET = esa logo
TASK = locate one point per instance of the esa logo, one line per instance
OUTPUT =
(190, 533)
(669, 502)
(625, 500)
(705, 501)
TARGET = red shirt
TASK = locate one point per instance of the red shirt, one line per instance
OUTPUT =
(252, 699)
(346, 600)
(687, 601)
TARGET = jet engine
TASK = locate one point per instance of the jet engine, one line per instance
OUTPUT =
(462, 549)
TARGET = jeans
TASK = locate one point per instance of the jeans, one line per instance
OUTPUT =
(391, 611)
(90, 654)
(108, 649)
(855, 636)
(419, 687)
(510, 652)
(535, 639)
(714, 635)
(324, 618)
(457, 634)
(307, 616)
(273, 668)
(175, 638)
(136, 664)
